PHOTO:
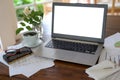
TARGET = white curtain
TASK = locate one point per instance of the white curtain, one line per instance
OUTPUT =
(8, 23)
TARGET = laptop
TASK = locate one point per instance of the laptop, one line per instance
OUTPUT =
(74, 26)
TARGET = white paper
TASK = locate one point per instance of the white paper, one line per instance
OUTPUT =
(103, 55)
(27, 65)
(113, 53)
(30, 65)
(115, 76)
(102, 70)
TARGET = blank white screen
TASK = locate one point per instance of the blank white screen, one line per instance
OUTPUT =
(78, 21)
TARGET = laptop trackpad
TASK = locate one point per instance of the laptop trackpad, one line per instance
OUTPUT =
(75, 57)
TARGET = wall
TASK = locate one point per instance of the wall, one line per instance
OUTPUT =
(8, 23)
(112, 24)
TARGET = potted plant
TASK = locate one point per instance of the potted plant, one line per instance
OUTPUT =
(32, 22)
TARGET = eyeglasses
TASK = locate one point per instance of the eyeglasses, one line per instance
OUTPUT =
(10, 52)
(23, 50)
(13, 54)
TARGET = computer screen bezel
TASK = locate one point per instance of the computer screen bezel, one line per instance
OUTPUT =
(56, 35)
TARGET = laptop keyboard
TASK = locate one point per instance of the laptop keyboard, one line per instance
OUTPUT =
(72, 46)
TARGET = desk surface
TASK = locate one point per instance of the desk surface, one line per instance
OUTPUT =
(62, 70)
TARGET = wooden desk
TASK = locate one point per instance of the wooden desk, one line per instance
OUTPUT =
(63, 70)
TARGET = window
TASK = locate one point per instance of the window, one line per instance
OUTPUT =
(21, 4)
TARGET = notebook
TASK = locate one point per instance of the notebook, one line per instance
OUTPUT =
(79, 24)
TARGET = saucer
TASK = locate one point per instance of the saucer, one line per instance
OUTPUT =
(35, 45)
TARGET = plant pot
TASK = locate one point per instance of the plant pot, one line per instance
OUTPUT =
(39, 30)
(30, 39)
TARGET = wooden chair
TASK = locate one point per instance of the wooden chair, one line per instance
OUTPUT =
(113, 5)
(84, 1)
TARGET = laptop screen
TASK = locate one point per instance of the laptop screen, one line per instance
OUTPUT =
(79, 21)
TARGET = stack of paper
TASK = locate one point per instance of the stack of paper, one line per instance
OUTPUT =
(102, 70)
(113, 52)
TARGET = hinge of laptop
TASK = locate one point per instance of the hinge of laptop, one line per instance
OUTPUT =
(70, 40)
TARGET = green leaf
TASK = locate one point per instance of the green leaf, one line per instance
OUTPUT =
(29, 28)
(26, 19)
(32, 13)
(22, 23)
(31, 21)
(37, 19)
(20, 15)
(42, 15)
(37, 13)
(19, 30)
